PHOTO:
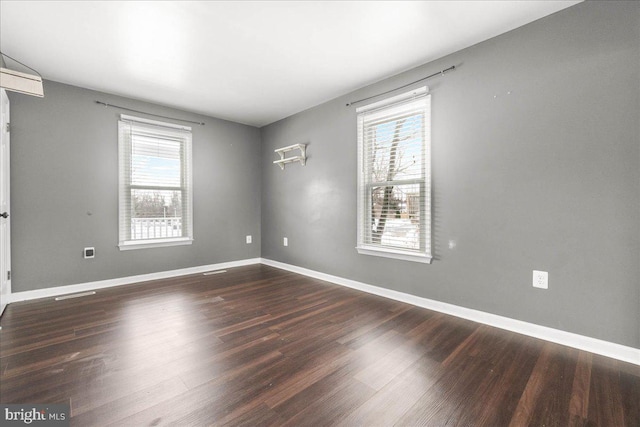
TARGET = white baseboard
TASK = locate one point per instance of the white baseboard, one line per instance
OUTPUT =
(101, 284)
(593, 345)
(581, 342)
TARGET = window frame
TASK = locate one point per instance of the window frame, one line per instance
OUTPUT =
(365, 185)
(125, 147)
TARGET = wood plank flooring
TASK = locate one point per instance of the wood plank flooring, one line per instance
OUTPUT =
(259, 346)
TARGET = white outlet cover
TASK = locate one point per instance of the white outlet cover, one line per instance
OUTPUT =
(540, 279)
(89, 253)
(248, 239)
(285, 241)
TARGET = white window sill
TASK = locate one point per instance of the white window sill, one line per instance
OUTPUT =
(155, 243)
(396, 254)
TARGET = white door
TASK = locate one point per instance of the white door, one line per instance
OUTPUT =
(5, 229)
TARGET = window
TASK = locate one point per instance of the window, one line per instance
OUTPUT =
(155, 184)
(394, 170)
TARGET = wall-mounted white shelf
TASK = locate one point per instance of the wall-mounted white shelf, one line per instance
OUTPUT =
(302, 157)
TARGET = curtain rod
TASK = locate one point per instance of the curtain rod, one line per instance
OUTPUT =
(149, 114)
(439, 73)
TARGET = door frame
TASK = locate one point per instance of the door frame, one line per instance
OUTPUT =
(5, 187)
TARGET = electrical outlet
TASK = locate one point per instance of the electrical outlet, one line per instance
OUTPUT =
(285, 241)
(89, 253)
(248, 240)
(540, 279)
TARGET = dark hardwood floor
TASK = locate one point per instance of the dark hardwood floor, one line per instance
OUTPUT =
(259, 346)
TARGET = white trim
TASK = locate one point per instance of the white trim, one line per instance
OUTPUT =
(396, 254)
(101, 284)
(394, 99)
(418, 100)
(128, 118)
(581, 342)
(5, 181)
(158, 243)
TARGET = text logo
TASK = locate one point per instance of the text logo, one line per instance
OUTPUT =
(41, 415)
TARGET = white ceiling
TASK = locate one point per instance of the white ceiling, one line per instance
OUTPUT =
(250, 62)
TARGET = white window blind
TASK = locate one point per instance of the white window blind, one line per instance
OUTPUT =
(155, 207)
(394, 177)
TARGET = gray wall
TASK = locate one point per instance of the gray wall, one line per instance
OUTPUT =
(547, 178)
(64, 163)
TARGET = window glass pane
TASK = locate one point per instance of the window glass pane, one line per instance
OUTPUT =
(395, 216)
(156, 214)
(395, 149)
(155, 193)
(155, 162)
